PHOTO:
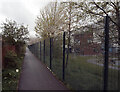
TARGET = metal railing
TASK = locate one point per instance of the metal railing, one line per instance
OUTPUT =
(89, 71)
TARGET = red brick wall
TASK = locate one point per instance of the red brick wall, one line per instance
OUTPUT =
(6, 48)
(83, 47)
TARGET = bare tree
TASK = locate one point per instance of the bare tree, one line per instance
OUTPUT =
(50, 21)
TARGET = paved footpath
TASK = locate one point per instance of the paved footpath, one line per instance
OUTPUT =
(35, 75)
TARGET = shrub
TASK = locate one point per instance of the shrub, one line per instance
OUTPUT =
(10, 59)
(9, 79)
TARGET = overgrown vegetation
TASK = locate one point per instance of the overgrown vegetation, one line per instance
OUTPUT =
(14, 37)
(11, 73)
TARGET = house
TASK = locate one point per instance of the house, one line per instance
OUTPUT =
(84, 44)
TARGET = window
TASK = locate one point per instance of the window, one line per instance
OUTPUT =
(79, 42)
(89, 41)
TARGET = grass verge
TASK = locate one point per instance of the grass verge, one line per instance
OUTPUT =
(81, 75)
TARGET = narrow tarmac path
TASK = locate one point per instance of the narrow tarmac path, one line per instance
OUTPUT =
(35, 76)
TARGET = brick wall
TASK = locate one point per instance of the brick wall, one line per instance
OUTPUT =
(84, 44)
(5, 49)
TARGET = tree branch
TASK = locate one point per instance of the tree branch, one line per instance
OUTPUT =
(99, 7)
(105, 13)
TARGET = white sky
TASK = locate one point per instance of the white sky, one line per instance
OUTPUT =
(22, 11)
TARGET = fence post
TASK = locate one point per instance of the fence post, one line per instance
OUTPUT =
(40, 50)
(50, 53)
(33, 49)
(106, 57)
(63, 77)
(37, 49)
(44, 52)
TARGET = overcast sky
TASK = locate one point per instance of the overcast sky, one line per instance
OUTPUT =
(22, 11)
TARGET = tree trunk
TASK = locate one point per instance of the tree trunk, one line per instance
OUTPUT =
(119, 41)
(118, 28)
(68, 49)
